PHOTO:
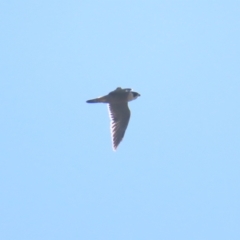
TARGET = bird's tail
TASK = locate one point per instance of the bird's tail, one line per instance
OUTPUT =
(98, 100)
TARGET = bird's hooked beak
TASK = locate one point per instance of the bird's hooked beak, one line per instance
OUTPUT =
(135, 94)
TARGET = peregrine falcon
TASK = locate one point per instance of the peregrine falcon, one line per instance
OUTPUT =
(118, 111)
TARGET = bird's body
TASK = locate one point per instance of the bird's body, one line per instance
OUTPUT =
(118, 110)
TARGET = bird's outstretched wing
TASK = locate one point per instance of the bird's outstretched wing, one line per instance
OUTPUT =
(119, 114)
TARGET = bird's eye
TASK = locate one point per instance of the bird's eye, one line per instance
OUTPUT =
(135, 94)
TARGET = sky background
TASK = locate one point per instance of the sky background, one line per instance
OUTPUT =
(176, 174)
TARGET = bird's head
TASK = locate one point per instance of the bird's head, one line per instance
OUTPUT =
(134, 95)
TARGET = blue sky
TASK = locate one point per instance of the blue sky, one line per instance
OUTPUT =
(176, 173)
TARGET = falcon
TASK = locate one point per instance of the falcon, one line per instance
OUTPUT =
(119, 112)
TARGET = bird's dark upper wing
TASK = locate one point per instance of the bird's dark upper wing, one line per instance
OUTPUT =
(119, 114)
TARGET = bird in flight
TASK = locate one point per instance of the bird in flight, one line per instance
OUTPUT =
(118, 111)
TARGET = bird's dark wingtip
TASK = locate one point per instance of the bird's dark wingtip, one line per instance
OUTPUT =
(91, 101)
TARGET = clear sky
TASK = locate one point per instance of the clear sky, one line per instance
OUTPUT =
(176, 174)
